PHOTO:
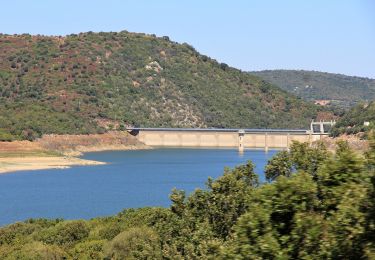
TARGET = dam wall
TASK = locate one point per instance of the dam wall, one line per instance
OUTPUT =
(225, 138)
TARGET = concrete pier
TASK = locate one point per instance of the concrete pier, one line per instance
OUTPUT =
(241, 134)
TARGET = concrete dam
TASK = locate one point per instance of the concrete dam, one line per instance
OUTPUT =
(227, 138)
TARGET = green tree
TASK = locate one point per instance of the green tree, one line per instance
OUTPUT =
(227, 197)
(135, 243)
(178, 201)
(88, 250)
(265, 230)
(65, 233)
(300, 157)
(279, 165)
(369, 206)
(308, 158)
(345, 167)
(37, 251)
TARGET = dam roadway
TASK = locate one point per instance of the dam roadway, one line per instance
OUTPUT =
(224, 138)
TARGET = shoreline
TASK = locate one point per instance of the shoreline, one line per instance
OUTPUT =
(36, 160)
(30, 163)
(62, 151)
(79, 151)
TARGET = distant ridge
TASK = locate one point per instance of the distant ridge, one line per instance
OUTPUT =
(313, 85)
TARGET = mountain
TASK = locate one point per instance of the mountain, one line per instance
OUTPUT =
(312, 85)
(89, 82)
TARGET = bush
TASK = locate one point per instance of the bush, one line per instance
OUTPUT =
(135, 243)
(65, 233)
(89, 250)
(37, 251)
(204, 58)
(5, 136)
(224, 66)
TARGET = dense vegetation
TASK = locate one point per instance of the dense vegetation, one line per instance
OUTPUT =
(91, 81)
(317, 205)
(352, 122)
(343, 90)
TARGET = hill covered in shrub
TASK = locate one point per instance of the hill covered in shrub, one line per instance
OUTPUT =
(353, 121)
(317, 205)
(89, 82)
(343, 90)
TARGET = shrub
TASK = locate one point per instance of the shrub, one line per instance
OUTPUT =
(135, 243)
(38, 250)
(224, 66)
(5, 136)
(64, 233)
(89, 250)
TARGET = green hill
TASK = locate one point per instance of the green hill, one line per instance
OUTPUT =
(90, 82)
(312, 85)
(352, 122)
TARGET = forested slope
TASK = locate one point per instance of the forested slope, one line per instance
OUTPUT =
(90, 82)
(312, 85)
(353, 121)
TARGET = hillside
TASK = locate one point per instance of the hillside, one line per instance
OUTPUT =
(90, 82)
(352, 122)
(312, 85)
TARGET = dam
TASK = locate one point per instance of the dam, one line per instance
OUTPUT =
(229, 138)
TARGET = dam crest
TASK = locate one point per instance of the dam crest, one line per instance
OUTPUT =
(230, 138)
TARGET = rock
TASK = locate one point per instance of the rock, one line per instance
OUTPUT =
(155, 66)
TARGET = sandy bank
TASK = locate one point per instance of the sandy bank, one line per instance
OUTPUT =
(115, 140)
(74, 145)
(59, 151)
(13, 164)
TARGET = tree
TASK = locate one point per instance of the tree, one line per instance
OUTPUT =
(135, 243)
(369, 206)
(279, 165)
(227, 197)
(178, 199)
(337, 173)
(308, 158)
(301, 157)
(88, 250)
(265, 230)
(38, 250)
(224, 66)
(64, 233)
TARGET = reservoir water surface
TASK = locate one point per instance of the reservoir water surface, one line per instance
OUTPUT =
(131, 179)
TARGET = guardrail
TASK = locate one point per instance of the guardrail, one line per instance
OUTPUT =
(234, 130)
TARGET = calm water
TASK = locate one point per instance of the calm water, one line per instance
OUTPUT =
(131, 179)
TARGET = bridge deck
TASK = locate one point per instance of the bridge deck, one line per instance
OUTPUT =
(231, 130)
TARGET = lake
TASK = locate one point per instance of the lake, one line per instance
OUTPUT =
(131, 179)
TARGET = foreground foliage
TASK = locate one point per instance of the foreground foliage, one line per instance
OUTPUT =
(316, 205)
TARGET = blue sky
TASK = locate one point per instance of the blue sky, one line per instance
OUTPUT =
(325, 35)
